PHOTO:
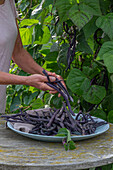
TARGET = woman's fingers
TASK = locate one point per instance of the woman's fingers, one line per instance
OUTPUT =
(44, 87)
(53, 91)
(44, 78)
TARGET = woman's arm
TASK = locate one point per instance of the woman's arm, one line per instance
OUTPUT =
(23, 59)
(35, 80)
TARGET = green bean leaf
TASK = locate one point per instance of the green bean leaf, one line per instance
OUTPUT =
(67, 142)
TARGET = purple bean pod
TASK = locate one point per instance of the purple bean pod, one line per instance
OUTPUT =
(65, 97)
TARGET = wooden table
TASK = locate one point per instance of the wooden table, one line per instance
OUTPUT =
(20, 153)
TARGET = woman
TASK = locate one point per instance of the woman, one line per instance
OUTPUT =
(11, 47)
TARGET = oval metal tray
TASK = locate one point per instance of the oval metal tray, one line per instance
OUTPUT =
(98, 131)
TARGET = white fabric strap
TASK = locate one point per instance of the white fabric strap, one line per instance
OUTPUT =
(13, 8)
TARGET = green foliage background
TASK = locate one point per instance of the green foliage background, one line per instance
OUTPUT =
(47, 32)
(47, 29)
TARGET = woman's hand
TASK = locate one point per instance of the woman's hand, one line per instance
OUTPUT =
(39, 81)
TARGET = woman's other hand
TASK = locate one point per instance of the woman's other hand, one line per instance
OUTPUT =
(60, 78)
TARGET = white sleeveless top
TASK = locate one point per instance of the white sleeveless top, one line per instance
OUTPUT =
(8, 34)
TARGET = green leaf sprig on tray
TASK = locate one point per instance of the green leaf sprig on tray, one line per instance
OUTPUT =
(67, 142)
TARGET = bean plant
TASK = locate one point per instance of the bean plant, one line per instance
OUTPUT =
(73, 38)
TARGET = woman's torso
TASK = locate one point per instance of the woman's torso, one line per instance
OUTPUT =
(8, 34)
